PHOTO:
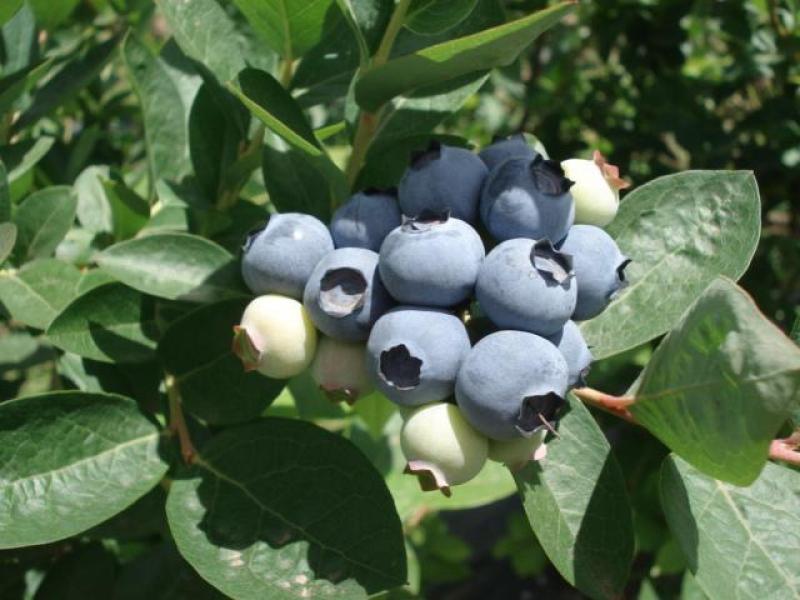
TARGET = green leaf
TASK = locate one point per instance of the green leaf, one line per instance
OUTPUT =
(43, 220)
(300, 506)
(110, 323)
(481, 51)
(290, 28)
(94, 210)
(8, 8)
(175, 266)
(16, 84)
(275, 107)
(739, 542)
(36, 293)
(5, 194)
(720, 385)
(21, 157)
(196, 350)
(8, 237)
(166, 86)
(71, 460)
(129, 211)
(429, 17)
(50, 15)
(206, 33)
(65, 85)
(578, 507)
(681, 232)
(19, 41)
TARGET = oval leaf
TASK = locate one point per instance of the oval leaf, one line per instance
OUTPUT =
(740, 542)
(681, 232)
(71, 460)
(43, 220)
(175, 266)
(8, 237)
(110, 323)
(283, 509)
(481, 51)
(576, 501)
(36, 293)
(196, 350)
(21, 157)
(720, 385)
(429, 17)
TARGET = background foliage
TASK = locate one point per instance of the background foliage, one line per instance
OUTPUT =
(123, 129)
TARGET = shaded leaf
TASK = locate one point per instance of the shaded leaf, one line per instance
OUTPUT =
(8, 237)
(175, 266)
(16, 84)
(740, 542)
(8, 8)
(129, 211)
(101, 455)
(110, 323)
(87, 572)
(21, 157)
(720, 385)
(578, 506)
(429, 17)
(681, 232)
(36, 293)
(448, 60)
(42, 221)
(329, 528)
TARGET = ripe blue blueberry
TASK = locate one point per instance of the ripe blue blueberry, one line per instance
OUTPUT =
(599, 268)
(279, 258)
(344, 294)
(511, 384)
(441, 179)
(527, 285)
(432, 260)
(527, 198)
(513, 146)
(413, 354)
(575, 351)
(365, 219)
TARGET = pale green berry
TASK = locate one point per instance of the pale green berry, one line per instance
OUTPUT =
(275, 337)
(340, 370)
(596, 189)
(441, 448)
(516, 453)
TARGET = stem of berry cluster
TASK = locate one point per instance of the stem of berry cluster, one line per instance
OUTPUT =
(368, 121)
(177, 422)
(785, 450)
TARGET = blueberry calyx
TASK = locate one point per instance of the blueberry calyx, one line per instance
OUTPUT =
(399, 368)
(551, 263)
(430, 477)
(421, 158)
(379, 191)
(548, 176)
(244, 347)
(425, 221)
(622, 282)
(342, 292)
(538, 411)
(252, 235)
(344, 394)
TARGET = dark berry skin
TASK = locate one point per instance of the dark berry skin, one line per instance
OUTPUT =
(514, 146)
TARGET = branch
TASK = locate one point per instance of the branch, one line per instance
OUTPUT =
(177, 422)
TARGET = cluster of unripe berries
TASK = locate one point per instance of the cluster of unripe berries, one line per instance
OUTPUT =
(477, 349)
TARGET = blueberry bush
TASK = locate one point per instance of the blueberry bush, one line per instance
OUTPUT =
(282, 318)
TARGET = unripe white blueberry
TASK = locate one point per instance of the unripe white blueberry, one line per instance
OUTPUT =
(340, 370)
(596, 189)
(276, 337)
(516, 453)
(441, 448)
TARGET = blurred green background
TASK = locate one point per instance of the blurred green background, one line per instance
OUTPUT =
(658, 86)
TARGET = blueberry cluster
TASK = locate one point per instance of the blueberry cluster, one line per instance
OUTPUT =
(478, 349)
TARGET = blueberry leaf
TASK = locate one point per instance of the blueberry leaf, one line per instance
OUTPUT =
(578, 507)
(681, 231)
(101, 455)
(283, 509)
(738, 541)
(429, 17)
(721, 385)
(36, 293)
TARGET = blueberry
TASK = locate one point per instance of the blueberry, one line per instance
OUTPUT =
(275, 337)
(575, 351)
(344, 294)
(516, 453)
(527, 285)
(511, 384)
(443, 178)
(441, 448)
(527, 198)
(596, 189)
(366, 219)
(413, 354)
(599, 268)
(432, 260)
(339, 369)
(513, 146)
(279, 258)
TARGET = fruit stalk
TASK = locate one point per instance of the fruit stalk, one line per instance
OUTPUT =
(177, 422)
